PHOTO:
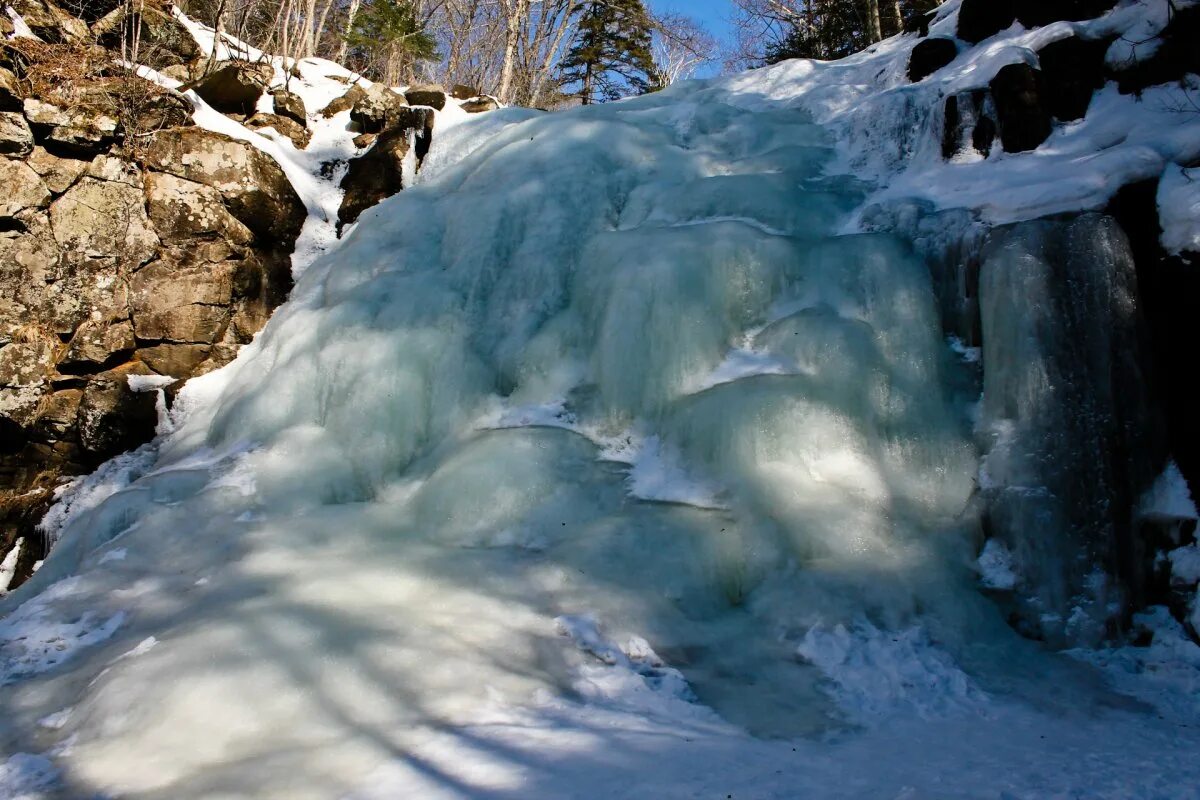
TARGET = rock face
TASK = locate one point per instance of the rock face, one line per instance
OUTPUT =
(929, 56)
(374, 176)
(1073, 70)
(1021, 113)
(379, 109)
(982, 19)
(116, 264)
(235, 87)
(378, 173)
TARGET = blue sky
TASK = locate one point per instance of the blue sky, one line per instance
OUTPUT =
(713, 13)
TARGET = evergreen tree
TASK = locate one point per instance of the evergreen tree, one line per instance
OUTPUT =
(611, 55)
(386, 38)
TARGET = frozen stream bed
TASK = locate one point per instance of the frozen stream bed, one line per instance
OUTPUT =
(600, 464)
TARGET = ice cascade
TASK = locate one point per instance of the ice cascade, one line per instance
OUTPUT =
(372, 519)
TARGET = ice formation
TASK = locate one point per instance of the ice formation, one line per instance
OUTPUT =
(603, 445)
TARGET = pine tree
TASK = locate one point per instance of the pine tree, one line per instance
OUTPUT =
(388, 37)
(611, 55)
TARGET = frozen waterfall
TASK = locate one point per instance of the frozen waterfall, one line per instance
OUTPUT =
(606, 412)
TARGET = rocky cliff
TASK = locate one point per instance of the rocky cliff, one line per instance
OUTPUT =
(138, 249)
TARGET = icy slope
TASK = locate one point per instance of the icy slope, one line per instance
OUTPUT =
(567, 468)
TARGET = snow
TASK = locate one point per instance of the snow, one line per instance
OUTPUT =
(20, 26)
(8, 567)
(890, 131)
(1169, 497)
(610, 459)
(1179, 209)
(996, 567)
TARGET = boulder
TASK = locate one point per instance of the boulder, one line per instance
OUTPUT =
(1073, 69)
(183, 210)
(929, 56)
(1021, 113)
(254, 188)
(290, 105)
(97, 343)
(364, 140)
(345, 102)
(374, 176)
(103, 218)
(59, 174)
(1036, 13)
(112, 418)
(296, 133)
(379, 109)
(460, 91)
(10, 94)
(23, 189)
(72, 129)
(983, 19)
(235, 87)
(480, 104)
(16, 139)
(432, 96)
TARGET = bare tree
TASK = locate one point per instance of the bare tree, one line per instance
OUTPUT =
(681, 46)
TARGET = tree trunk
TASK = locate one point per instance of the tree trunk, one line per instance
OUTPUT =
(514, 11)
(874, 25)
(354, 4)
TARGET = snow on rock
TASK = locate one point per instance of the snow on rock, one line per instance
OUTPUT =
(1179, 209)
(889, 131)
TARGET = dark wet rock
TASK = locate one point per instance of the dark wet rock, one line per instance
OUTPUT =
(1018, 91)
(235, 87)
(930, 55)
(983, 19)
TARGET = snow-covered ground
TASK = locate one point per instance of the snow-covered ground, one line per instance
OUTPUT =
(599, 464)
